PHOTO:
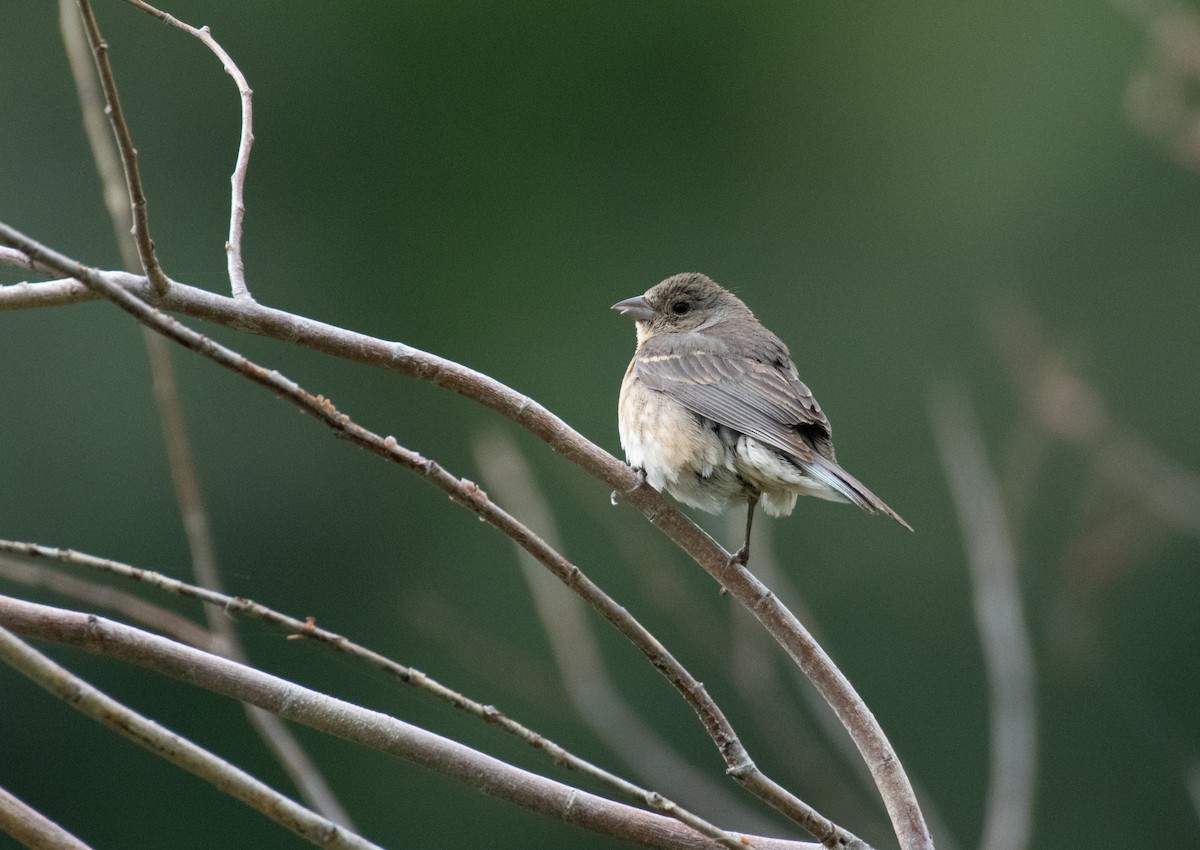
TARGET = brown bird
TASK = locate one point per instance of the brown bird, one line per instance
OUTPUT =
(712, 410)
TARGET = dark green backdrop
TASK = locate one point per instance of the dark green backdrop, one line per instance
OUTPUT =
(482, 180)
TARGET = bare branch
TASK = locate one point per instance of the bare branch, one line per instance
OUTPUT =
(18, 259)
(300, 767)
(178, 750)
(754, 671)
(477, 500)
(53, 293)
(133, 607)
(133, 178)
(33, 829)
(815, 760)
(308, 629)
(287, 749)
(856, 717)
(592, 691)
(237, 203)
(359, 725)
(98, 130)
(1008, 819)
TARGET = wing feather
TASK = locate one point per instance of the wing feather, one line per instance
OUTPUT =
(762, 399)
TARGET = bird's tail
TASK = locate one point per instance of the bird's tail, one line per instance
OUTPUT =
(855, 492)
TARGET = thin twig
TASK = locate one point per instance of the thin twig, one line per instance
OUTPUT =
(133, 178)
(135, 608)
(299, 765)
(886, 769)
(174, 748)
(55, 293)
(18, 259)
(362, 726)
(408, 675)
(295, 760)
(33, 829)
(582, 670)
(237, 202)
(99, 132)
(1008, 656)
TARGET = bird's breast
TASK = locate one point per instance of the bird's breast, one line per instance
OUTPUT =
(679, 452)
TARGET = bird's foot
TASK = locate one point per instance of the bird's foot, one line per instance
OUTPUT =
(641, 479)
(737, 560)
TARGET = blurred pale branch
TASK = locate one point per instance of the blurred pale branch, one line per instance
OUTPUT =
(1192, 780)
(1160, 97)
(1068, 408)
(1007, 651)
(93, 593)
(220, 602)
(1134, 492)
(356, 724)
(596, 698)
(757, 678)
(104, 145)
(146, 733)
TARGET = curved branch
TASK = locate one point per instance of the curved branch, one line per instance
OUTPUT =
(91, 593)
(855, 716)
(174, 748)
(588, 684)
(1008, 656)
(32, 828)
(216, 600)
(237, 201)
(362, 726)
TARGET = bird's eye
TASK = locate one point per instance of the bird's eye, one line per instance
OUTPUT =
(679, 308)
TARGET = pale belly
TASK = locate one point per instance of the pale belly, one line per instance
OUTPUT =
(704, 465)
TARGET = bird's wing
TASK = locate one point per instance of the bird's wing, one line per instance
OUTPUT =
(753, 389)
(755, 396)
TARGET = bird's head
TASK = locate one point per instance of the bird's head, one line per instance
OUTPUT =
(680, 304)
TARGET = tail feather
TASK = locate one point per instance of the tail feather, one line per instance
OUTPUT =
(830, 473)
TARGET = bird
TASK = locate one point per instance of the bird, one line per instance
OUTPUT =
(713, 411)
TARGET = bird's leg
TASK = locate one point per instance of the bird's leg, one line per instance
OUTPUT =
(741, 556)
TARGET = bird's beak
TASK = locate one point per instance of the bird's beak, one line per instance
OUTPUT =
(635, 308)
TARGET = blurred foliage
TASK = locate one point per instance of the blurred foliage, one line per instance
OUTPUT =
(482, 180)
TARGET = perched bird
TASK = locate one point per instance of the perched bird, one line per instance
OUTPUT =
(712, 410)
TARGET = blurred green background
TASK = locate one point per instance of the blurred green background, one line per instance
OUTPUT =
(482, 180)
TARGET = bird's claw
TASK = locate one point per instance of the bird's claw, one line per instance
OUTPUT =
(641, 479)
